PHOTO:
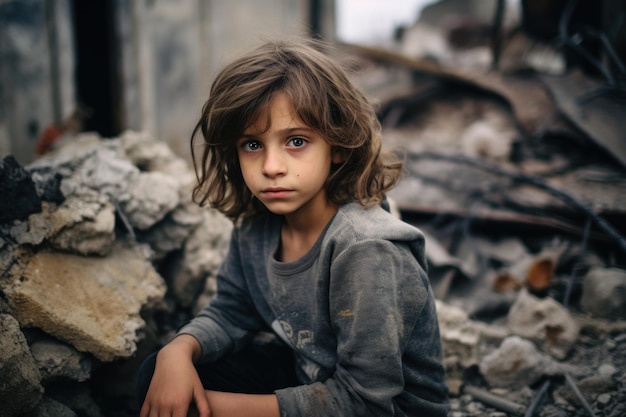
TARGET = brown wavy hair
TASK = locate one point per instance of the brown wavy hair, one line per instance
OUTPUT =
(323, 98)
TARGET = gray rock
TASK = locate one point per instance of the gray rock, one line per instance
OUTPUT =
(20, 386)
(604, 399)
(516, 363)
(84, 224)
(462, 338)
(152, 155)
(171, 233)
(149, 197)
(544, 321)
(105, 172)
(203, 253)
(51, 408)
(56, 359)
(604, 293)
(589, 388)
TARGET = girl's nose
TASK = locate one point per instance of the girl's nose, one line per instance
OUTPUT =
(274, 163)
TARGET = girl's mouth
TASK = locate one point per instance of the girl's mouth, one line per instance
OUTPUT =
(276, 192)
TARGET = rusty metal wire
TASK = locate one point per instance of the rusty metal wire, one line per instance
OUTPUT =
(574, 41)
(536, 402)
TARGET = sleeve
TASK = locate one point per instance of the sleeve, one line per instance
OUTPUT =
(230, 319)
(377, 294)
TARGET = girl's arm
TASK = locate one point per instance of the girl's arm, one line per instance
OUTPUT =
(175, 383)
(228, 404)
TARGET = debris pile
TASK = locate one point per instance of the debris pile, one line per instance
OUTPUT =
(516, 172)
(102, 255)
(113, 256)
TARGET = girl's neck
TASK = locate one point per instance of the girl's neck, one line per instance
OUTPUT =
(299, 233)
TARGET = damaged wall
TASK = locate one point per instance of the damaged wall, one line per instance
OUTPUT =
(143, 65)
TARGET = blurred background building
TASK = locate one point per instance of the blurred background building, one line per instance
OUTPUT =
(112, 65)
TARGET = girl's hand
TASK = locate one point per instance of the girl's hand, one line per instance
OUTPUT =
(175, 385)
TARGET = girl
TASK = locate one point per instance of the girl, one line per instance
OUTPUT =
(292, 154)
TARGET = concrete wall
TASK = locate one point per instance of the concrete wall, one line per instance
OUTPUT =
(165, 54)
(36, 71)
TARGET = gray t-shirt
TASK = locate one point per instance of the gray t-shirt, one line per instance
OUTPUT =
(357, 310)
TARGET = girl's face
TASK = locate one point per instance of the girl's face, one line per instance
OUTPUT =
(286, 165)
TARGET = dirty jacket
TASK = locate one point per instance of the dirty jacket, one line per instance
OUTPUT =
(357, 310)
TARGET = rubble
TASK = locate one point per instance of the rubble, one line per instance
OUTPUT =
(604, 293)
(514, 159)
(92, 307)
(86, 274)
(517, 363)
(518, 185)
(102, 298)
(21, 380)
(545, 321)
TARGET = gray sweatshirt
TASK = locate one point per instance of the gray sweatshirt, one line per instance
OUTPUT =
(357, 310)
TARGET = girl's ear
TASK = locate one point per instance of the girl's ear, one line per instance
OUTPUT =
(339, 156)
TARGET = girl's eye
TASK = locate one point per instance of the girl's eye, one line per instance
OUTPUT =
(250, 145)
(297, 142)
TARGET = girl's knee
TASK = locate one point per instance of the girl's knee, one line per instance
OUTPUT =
(144, 376)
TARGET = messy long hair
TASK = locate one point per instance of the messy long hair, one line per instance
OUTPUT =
(323, 98)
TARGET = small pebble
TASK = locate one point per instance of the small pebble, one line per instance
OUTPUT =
(620, 338)
(455, 405)
(604, 399)
(606, 369)
(474, 408)
(466, 399)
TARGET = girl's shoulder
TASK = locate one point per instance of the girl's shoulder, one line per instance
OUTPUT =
(373, 229)
(360, 223)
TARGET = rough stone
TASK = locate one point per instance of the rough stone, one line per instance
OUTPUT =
(150, 196)
(604, 293)
(19, 194)
(515, 364)
(151, 155)
(463, 340)
(172, 232)
(545, 322)
(203, 253)
(56, 359)
(107, 173)
(20, 383)
(84, 224)
(604, 399)
(607, 370)
(589, 388)
(102, 298)
(51, 408)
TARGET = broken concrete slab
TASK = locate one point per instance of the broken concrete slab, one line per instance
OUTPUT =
(102, 298)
